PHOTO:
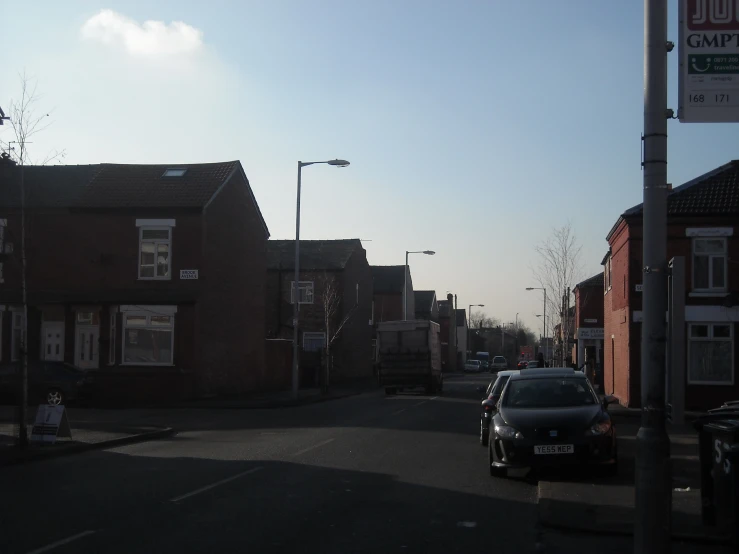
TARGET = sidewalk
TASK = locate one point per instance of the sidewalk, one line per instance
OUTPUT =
(91, 429)
(588, 502)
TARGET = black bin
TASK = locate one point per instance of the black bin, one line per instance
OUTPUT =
(719, 460)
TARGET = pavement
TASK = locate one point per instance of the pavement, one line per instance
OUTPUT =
(360, 474)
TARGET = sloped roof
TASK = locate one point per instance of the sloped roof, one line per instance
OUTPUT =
(424, 300)
(115, 185)
(388, 279)
(314, 254)
(715, 193)
(594, 281)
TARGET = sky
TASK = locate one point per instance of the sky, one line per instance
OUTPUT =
(473, 128)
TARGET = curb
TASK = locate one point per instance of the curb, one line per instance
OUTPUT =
(255, 406)
(551, 517)
(78, 448)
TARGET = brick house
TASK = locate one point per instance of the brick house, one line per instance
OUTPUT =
(334, 276)
(150, 276)
(702, 219)
(388, 285)
(589, 323)
(426, 305)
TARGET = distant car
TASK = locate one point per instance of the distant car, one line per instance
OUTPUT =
(531, 365)
(483, 365)
(489, 401)
(522, 364)
(499, 363)
(551, 417)
(472, 366)
(48, 382)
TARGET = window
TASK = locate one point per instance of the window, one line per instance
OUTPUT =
(709, 264)
(711, 354)
(154, 249)
(16, 344)
(305, 290)
(314, 342)
(111, 343)
(175, 172)
(84, 318)
(148, 338)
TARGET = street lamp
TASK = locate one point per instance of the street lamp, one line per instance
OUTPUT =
(545, 310)
(516, 341)
(405, 279)
(469, 324)
(296, 284)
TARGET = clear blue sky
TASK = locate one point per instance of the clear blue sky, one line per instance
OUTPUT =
(473, 127)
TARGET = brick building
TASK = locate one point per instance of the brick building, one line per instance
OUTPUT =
(426, 305)
(589, 324)
(702, 222)
(388, 282)
(335, 278)
(150, 276)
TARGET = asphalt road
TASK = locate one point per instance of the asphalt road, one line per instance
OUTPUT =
(367, 473)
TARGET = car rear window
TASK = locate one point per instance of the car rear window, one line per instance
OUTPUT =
(549, 393)
(498, 359)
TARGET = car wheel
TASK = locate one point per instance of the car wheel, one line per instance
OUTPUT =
(483, 435)
(55, 397)
(494, 471)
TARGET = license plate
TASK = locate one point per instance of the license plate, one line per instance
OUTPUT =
(555, 449)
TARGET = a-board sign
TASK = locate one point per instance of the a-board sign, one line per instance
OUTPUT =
(51, 422)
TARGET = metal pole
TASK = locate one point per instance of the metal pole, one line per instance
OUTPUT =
(469, 321)
(653, 494)
(296, 290)
(23, 411)
(405, 287)
(546, 344)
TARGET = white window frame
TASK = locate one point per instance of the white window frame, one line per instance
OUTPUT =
(16, 326)
(711, 338)
(710, 257)
(147, 312)
(308, 286)
(112, 339)
(156, 242)
(607, 277)
(314, 335)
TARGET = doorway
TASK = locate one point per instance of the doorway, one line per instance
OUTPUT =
(86, 346)
(53, 341)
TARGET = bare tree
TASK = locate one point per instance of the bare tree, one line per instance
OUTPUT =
(330, 298)
(25, 121)
(559, 267)
(479, 320)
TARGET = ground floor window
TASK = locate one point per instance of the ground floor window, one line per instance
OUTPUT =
(148, 338)
(314, 342)
(711, 354)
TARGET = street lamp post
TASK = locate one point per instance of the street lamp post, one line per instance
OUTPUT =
(469, 324)
(545, 312)
(405, 279)
(516, 342)
(296, 284)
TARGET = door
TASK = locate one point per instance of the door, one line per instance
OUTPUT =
(86, 346)
(53, 341)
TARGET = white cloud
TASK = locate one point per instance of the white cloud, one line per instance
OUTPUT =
(150, 38)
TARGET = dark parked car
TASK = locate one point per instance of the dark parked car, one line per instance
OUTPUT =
(522, 364)
(490, 400)
(551, 417)
(48, 382)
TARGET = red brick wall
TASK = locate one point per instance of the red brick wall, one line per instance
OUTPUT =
(230, 312)
(589, 305)
(388, 307)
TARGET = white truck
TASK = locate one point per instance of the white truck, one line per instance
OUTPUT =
(409, 356)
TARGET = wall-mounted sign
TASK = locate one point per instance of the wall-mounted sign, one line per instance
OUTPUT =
(590, 333)
(639, 287)
(709, 232)
(188, 273)
(591, 321)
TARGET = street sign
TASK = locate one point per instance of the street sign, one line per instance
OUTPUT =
(709, 61)
(188, 273)
(51, 422)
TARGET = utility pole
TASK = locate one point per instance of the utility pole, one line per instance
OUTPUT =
(456, 336)
(653, 494)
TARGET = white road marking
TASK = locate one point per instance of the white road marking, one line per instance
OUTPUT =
(217, 483)
(62, 542)
(399, 411)
(317, 445)
(467, 524)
